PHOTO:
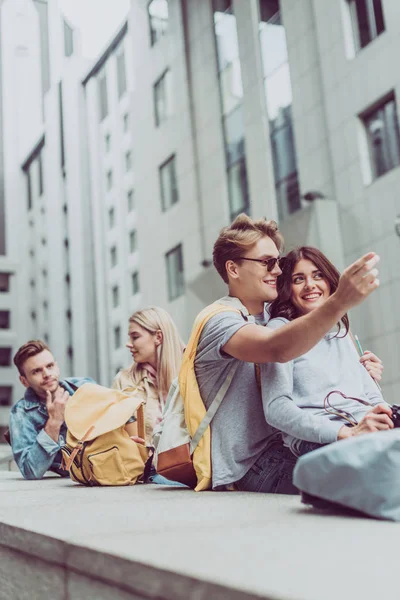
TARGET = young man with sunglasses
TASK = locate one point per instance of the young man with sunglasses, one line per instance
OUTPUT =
(246, 452)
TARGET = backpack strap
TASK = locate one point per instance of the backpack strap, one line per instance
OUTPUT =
(214, 406)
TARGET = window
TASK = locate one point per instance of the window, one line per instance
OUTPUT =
(367, 21)
(29, 189)
(117, 337)
(115, 296)
(168, 184)
(174, 263)
(231, 92)
(109, 178)
(103, 100)
(68, 39)
(32, 253)
(113, 256)
(5, 395)
(4, 282)
(107, 142)
(5, 357)
(383, 136)
(135, 283)
(125, 121)
(158, 19)
(130, 201)
(111, 218)
(162, 98)
(278, 95)
(40, 173)
(132, 241)
(121, 73)
(32, 283)
(128, 161)
(4, 319)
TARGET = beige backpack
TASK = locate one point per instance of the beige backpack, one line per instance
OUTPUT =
(98, 450)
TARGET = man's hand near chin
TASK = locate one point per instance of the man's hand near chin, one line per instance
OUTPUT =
(55, 404)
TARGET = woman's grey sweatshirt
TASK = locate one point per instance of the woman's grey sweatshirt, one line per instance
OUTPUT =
(293, 393)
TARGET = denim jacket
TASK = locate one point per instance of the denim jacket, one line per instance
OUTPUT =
(35, 452)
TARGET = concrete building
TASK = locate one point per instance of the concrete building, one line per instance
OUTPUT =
(111, 175)
(193, 113)
(44, 165)
(285, 109)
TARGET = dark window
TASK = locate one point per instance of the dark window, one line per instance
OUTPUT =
(278, 94)
(135, 283)
(158, 19)
(121, 73)
(128, 161)
(29, 189)
(5, 395)
(238, 188)
(175, 275)
(40, 173)
(126, 122)
(113, 256)
(5, 357)
(115, 296)
(4, 282)
(103, 100)
(111, 218)
(132, 241)
(117, 337)
(61, 122)
(383, 136)
(130, 200)
(68, 39)
(367, 20)
(231, 93)
(109, 178)
(107, 142)
(168, 184)
(162, 98)
(4, 319)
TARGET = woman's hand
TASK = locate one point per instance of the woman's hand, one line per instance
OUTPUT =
(377, 419)
(373, 364)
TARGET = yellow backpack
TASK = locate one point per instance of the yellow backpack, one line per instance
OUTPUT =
(183, 439)
(98, 450)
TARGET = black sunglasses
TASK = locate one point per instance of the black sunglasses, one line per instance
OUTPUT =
(265, 262)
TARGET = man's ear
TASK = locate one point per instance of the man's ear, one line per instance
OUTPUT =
(24, 381)
(158, 337)
(232, 269)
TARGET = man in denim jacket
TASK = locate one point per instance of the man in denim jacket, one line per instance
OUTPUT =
(37, 427)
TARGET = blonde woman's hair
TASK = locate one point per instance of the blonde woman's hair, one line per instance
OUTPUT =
(169, 352)
(243, 233)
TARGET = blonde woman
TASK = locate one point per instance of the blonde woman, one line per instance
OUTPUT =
(156, 348)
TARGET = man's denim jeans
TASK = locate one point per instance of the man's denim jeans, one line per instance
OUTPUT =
(273, 471)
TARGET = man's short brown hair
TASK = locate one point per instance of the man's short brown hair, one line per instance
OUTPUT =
(29, 349)
(239, 237)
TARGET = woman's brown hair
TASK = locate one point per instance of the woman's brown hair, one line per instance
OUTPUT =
(283, 305)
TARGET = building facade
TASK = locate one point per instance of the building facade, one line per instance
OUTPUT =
(278, 108)
(193, 113)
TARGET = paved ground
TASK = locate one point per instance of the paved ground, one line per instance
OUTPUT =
(61, 541)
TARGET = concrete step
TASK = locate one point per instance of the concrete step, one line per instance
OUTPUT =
(61, 541)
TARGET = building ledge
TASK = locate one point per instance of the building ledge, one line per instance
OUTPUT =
(59, 540)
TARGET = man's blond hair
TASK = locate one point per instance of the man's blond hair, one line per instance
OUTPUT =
(241, 235)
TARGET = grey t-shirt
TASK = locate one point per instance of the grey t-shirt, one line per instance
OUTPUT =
(239, 432)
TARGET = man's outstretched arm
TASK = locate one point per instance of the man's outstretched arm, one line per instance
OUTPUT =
(262, 345)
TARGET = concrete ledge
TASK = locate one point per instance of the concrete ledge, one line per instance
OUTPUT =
(61, 541)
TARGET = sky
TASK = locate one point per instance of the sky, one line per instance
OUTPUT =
(97, 20)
